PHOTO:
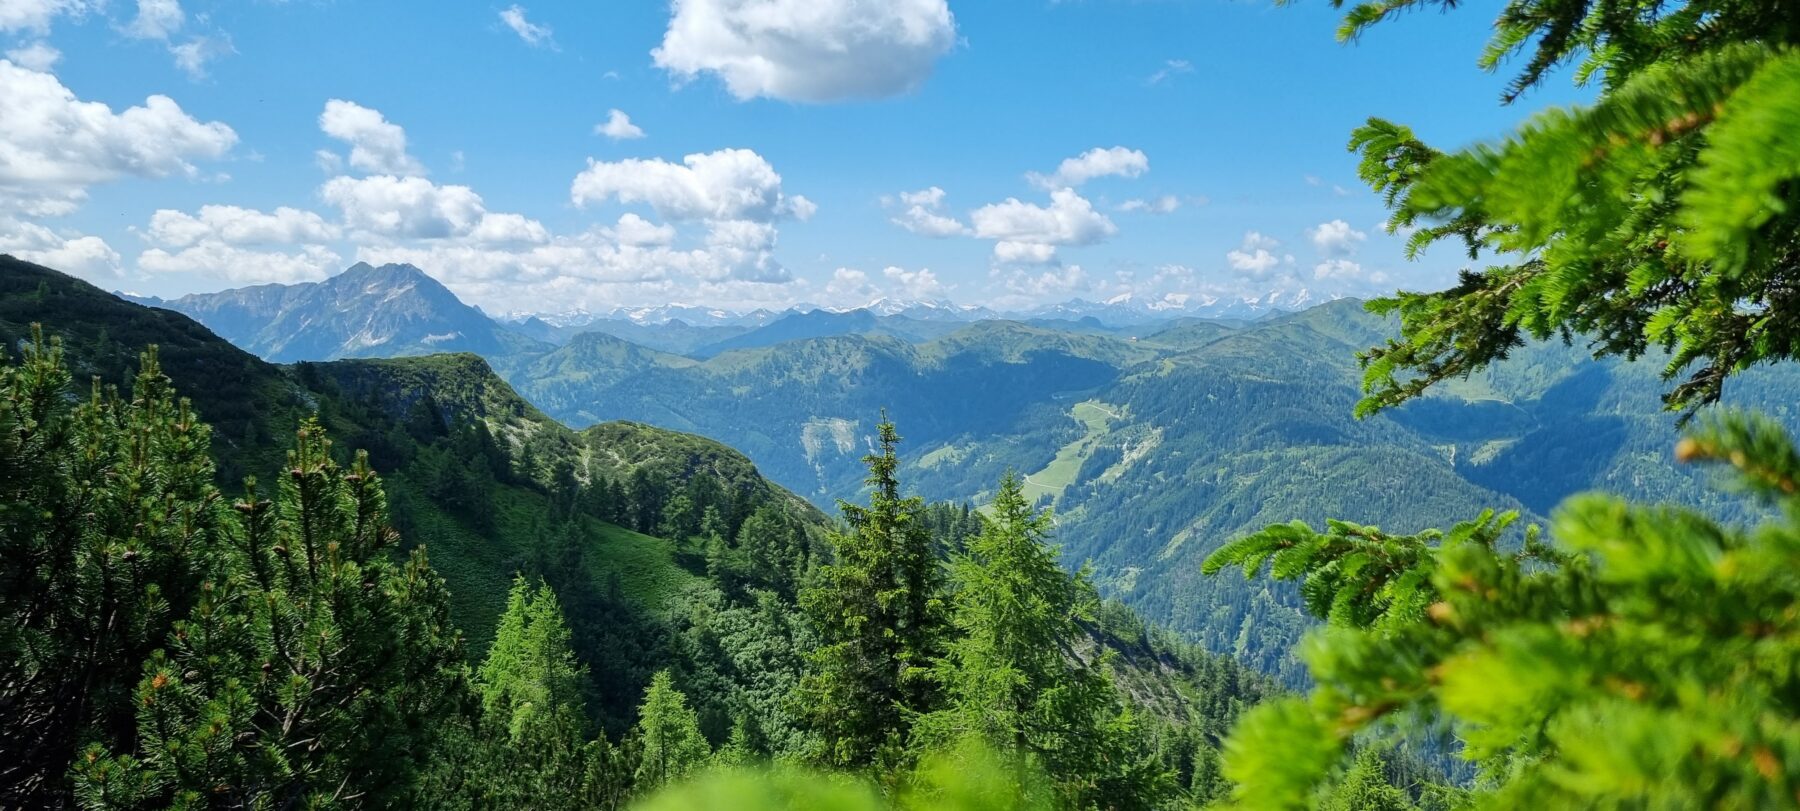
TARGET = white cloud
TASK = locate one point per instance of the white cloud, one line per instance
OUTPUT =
(1336, 238)
(730, 184)
(506, 227)
(1026, 232)
(192, 56)
(38, 56)
(376, 145)
(914, 284)
(86, 256)
(850, 286)
(156, 19)
(808, 50)
(386, 206)
(1008, 252)
(219, 260)
(1337, 269)
(233, 225)
(533, 34)
(1096, 162)
(53, 146)
(1166, 204)
(1255, 256)
(637, 231)
(618, 126)
(34, 16)
(1172, 67)
(1048, 284)
(924, 214)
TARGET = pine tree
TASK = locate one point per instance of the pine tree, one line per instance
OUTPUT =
(1640, 658)
(668, 734)
(1661, 217)
(878, 610)
(109, 522)
(1012, 676)
(316, 670)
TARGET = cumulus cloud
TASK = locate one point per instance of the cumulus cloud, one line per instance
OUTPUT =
(233, 225)
(1256, 256)
(924, 214)
(914, 284)
(1337, 269)
(415, 208)
(216, 259)
(156, 19)
(1091, 164)
(1048, 284)
(1166, 204)
(376, 145)
(85, 256)
(34, 16)
(1336, 238)
(849, 286)
(730, 184)
(618, 126)
(808, 50)
(1029, 233)
(533, 34)
(38, 56)
(53, 146)
(637, 231)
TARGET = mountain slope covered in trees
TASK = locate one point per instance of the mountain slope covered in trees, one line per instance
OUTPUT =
(662, 552)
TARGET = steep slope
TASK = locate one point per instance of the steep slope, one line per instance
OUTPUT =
(365, 311)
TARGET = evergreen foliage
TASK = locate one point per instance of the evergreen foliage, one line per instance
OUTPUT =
(1012, 678)
(313, 669)
(878, 610)
(534, 747)
(1640, 658)
(1661, 217)
(109, 524)
(668, 735)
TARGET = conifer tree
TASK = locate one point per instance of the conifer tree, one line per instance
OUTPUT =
(1640, 658)
(1012, 676)
(534, 722)
(1663, 216)
(668, 734)
(878, 610)
(315, 670)
(109, 522)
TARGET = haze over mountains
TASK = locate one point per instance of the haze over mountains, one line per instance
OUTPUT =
(1158, 434)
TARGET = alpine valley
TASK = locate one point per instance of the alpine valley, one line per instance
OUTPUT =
(1156, 433)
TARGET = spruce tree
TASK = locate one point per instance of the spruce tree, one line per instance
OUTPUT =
(1641, 657)
(878, 610)
(668, 735)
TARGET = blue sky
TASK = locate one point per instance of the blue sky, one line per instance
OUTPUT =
(777, 151)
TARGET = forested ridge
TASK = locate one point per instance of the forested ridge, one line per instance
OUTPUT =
(397, 583)
(596, 612)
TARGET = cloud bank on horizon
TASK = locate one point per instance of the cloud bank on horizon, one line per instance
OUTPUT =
(774, 152)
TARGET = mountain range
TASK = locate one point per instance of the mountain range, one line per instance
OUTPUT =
(1156, 440)
(493, 487)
